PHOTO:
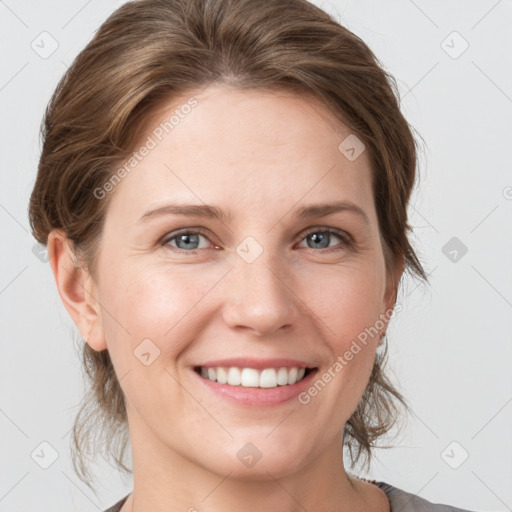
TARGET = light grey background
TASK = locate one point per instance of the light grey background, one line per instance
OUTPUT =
(450, 348)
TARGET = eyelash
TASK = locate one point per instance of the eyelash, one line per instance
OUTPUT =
(347, 240)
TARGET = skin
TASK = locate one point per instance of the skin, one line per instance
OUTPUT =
(259, 155)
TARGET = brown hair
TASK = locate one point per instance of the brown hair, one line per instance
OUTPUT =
(149, 51)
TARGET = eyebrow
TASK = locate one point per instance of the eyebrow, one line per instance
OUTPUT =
(213, 212)
(324, 209)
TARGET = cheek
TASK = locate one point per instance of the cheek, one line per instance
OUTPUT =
(153, 314)
(346, 303)
(158, 304)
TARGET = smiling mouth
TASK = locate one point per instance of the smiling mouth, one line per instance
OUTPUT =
(253, 378)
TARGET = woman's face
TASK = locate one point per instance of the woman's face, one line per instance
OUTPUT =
(257, 282)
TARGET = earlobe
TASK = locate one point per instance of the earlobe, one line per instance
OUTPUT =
(76, 289)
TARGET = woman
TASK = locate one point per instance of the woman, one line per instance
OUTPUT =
(223, 190)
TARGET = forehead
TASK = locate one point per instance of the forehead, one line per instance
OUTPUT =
(249, 147)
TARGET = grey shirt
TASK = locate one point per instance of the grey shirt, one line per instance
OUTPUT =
(401, 501)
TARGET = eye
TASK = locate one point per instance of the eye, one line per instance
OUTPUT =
(186, 241)
(321, 237)
(189, 240)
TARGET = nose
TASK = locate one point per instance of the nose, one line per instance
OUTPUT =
(259, 296)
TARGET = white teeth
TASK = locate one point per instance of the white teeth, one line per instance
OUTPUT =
(252, 378)
(292, 375)
(234, 377)
(222, 376)
(282, 376)
(268, 378)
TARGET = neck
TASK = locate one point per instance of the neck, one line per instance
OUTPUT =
(166, 480)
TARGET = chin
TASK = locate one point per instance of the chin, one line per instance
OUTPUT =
(258, 460)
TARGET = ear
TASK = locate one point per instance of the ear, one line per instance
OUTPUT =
(76, 289)
(392, 283)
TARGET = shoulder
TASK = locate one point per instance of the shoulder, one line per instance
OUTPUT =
(118, 505)
(402, 501)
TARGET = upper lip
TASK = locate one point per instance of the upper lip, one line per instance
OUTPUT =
(249, 362)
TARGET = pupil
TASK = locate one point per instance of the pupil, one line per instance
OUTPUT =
(320, 238)
(186, 238)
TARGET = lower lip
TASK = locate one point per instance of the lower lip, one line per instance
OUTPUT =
(264, 397)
